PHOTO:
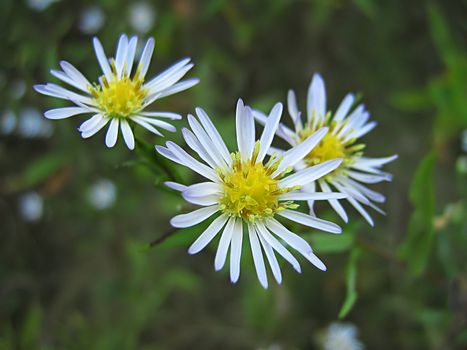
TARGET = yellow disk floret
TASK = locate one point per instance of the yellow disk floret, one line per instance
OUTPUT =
(120, 97)
(331, 146)
(250, 191)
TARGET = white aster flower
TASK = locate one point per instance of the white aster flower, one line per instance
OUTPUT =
(31, 206)
(342, 336)
(346, 126)
(244, 190)
(119, 98)
(91, 20)
(141, 16)
(102, 194)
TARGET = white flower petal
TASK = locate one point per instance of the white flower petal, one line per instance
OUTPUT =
(95, 128)
(193, 218)
(145, 58)
(236, 250)
(54, 90)
(315, 261)
(169, 71)
(278, 246)
(276, 270)
(343, 186)
(193, 142)
(297, 153)
(269, 131)
(310, 188)
(361, 210)
(376, 162)
(224, 244)
(112, 133)
(316, 100)
(293, 109)
(257, 256)
(181, 86)
(168, 115)
(75, 75)
(167, 154)
(130, 54)
(190, 162)
(151, 98)
(245, 126)
(208, 234)
(292, 239)
(358, 116)
(65, 112)
(214, 135)
(344, 108)
(307, 175)
(310, 221)
(90, 123)
(65, 78)
(166, 80)
(315, 196)
(204, 201)
(203, 189)
(161, 124)
(146, 125)
(369, 178)
(121, 54)
(360, 132)
(334, 203)
(282, 131)
(206, 141)
(175, 186)
(372, 195)
(102, 58)
(127, 134)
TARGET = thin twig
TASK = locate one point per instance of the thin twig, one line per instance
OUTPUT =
(162, 238)
(383, 253)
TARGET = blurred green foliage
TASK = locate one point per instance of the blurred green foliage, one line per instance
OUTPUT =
(82, 278)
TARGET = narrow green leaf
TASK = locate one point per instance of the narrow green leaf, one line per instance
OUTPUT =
(31, 329)
(331, 243)
(351, 282)
(417, 246)
(41, 169)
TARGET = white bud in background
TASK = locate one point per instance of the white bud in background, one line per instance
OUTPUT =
(32, 124)
(91, 20)
(40, 5)
(8, 122)
(31, 206)
(464, 140)
(342, 336)
(141, 16)
(102, 194)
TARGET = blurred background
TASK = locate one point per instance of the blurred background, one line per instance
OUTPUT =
(76, 218)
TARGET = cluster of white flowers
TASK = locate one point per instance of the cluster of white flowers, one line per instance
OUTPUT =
(342, 336)
(246, 189)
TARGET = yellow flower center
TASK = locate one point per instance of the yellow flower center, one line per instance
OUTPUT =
(331, 146)
(120, 97)
(250, 191)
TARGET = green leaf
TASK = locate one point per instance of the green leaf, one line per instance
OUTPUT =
(417, 246)
(351, 282)
(31, 329)
(41, 169)
(367, 7)
(331, 243)
(447, 46)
